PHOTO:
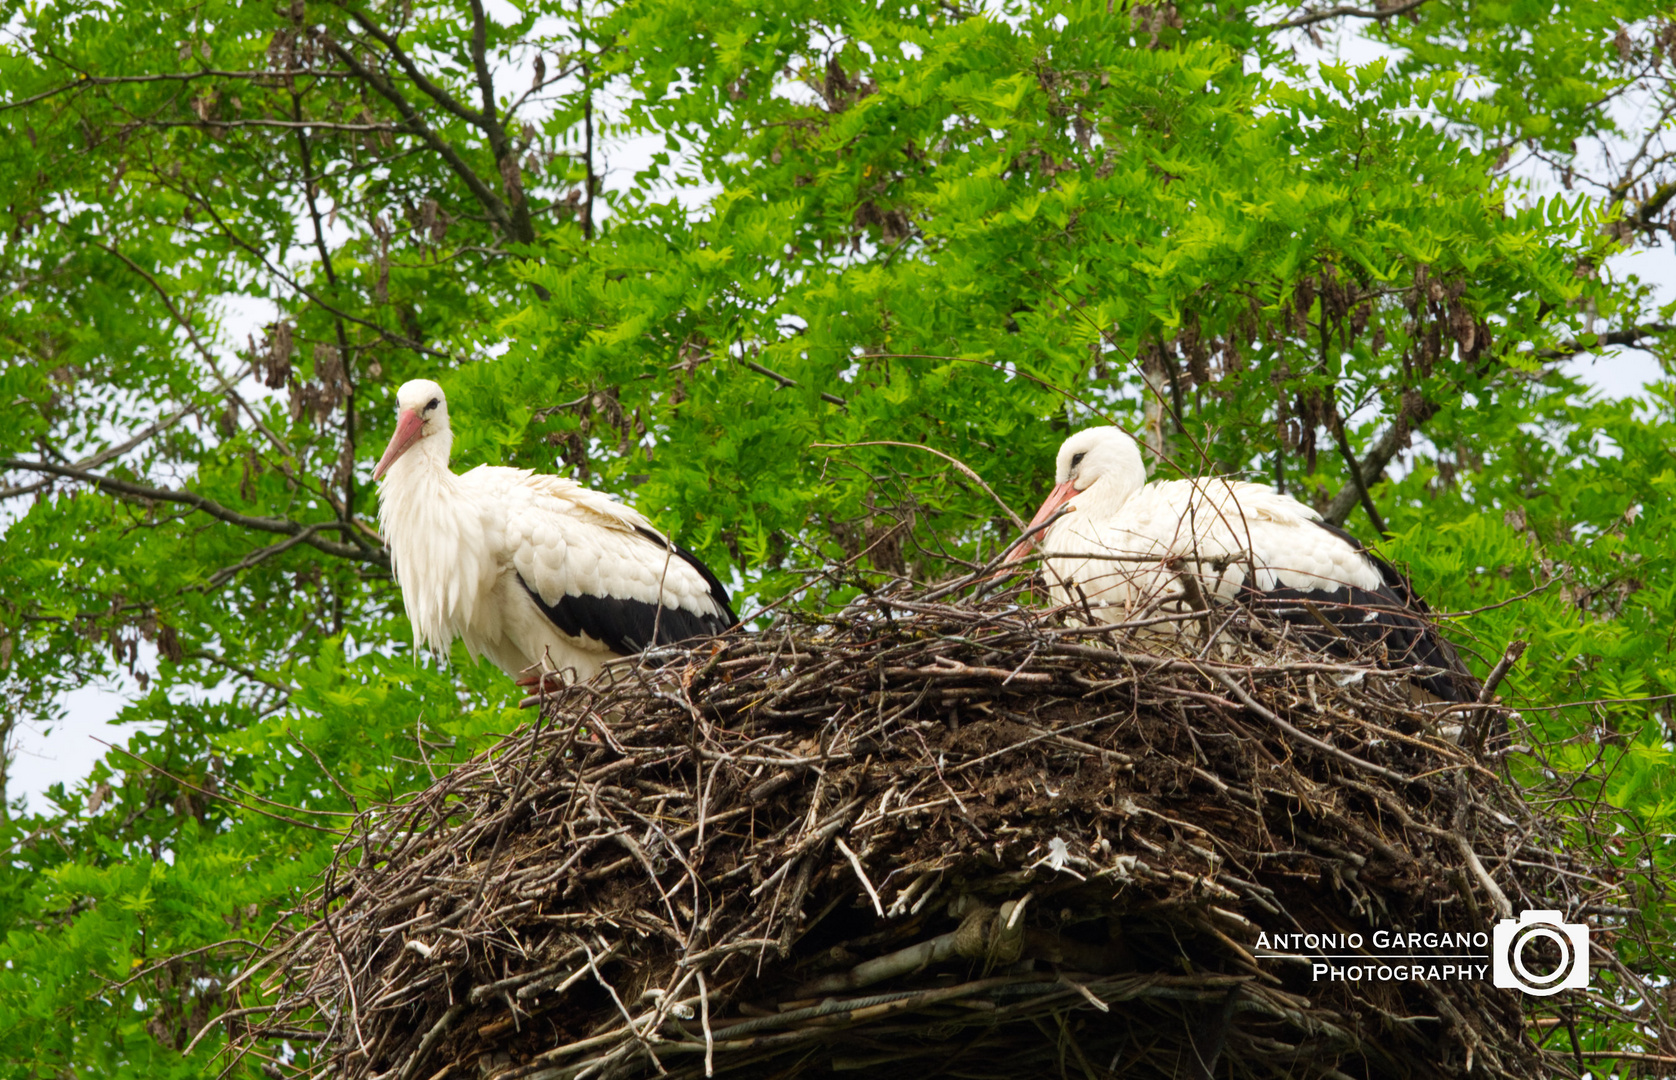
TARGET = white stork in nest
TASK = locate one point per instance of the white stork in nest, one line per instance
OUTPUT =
(1121, 549)
(537, 573)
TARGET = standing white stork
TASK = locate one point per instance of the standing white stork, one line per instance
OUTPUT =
(537, 573)
(1124, 547)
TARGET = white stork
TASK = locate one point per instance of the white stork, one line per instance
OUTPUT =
(537, 573)
(1123, 547)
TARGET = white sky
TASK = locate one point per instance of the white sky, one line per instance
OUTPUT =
(67, 751)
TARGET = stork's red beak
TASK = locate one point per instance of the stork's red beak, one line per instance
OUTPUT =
(410, 426)
(1058, 497)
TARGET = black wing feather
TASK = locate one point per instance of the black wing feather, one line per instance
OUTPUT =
(627, 626)
(1391, 618)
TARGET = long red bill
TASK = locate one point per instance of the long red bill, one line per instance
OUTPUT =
(409, 427)
(1058, 497)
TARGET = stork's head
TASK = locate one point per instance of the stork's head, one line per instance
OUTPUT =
(422, 412)
(1099, 468)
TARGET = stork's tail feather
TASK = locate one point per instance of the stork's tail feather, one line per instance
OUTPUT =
(1367, 624)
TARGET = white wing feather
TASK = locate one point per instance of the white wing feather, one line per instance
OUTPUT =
(1218, 531)
(566, 539)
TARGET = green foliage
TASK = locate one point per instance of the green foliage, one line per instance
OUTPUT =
(860, 224)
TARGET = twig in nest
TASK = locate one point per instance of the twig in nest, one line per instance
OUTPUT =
(1480, 721)
(872, 893)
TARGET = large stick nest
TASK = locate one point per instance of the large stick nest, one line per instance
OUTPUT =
(921, 839)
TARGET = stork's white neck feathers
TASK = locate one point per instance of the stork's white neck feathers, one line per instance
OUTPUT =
(423, 467)
(1104, 466)
(1097, 471)
(436, 536)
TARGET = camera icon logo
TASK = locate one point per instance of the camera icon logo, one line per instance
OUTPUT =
(1508, 944)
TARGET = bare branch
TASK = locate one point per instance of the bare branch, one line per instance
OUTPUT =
(967, 470)
(315, 125)
(86, 81)
(557, 76)
(1378, 456)
(392, 44)
(279, 271)
(416, 124)
(347, 511)
(1358, 477)
(24, 489)
(1642, 216)
(260, 555)
(1345, 11)
(95, 460)
(283, 526)
(789, 383)
(1653, 130)
(1627, 338)
(203, 350)
(485, 82)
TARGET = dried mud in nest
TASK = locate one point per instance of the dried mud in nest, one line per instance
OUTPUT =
(925, 840)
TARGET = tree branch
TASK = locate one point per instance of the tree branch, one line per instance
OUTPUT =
(346, 513)
(506, 158)
(1342, 441)
(416, 124)
(23, 489)
(87, 80)
(260, 555)
(513, 214)
(1621, 189)
(1345, 11)
(587, 125)
(95, 460)
(1652, 204)
(283, 526)
(316, 125)
(485, 82)
(448, 101)
(1358, 479)
(970, 473)
(1378, 456)
(557, 76)
(278, 271)
(790, 383)
(1629, 338)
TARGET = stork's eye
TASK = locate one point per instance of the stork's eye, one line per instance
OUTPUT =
(433, 403)
(1076, 459)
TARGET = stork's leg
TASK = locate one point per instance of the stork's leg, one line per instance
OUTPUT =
(552, 679)
(548, 682)
(542, 685)
(542, 678)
